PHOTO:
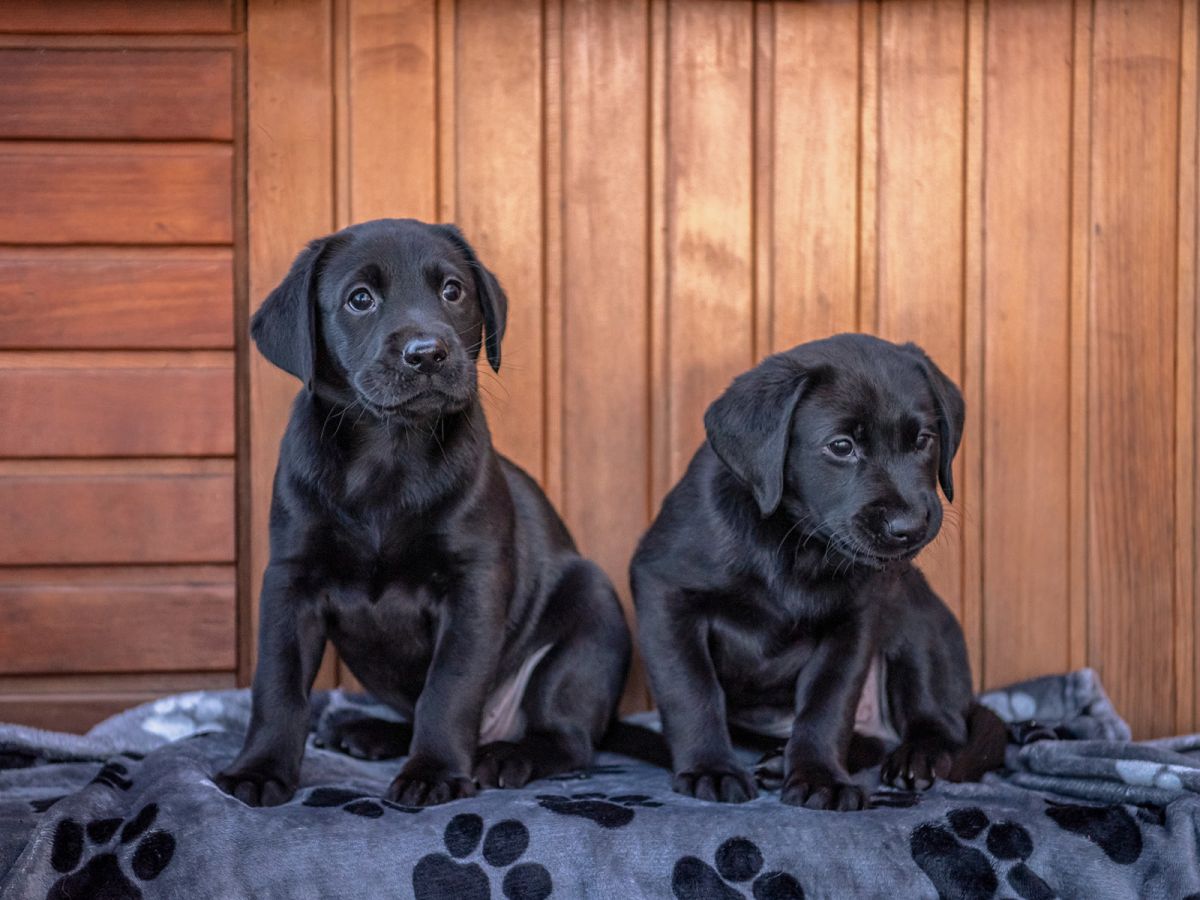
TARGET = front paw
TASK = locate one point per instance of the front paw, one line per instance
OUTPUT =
(503, 764)
(719, 783)
(426, 783)
(256, 786)
(816, 787)
(917, 763)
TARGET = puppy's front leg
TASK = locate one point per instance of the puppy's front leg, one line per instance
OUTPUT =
(690, 699)
(827, 693)
(291, 640)
(448, 712)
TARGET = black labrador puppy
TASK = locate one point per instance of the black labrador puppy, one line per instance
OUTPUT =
(775, 591)
(436, 567)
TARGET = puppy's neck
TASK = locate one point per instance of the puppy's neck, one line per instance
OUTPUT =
(415, 462)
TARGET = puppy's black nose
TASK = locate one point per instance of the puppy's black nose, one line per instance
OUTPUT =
(425, 354)
(905, 528)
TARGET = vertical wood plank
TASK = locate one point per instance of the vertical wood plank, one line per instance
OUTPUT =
(1027, 355)
(658, 469)
(869, 52)
(1081, 246)
(1186, 508)
(709, 211)
(553, 256)
(499, 189)
(605, 390)
(445, 143)
(1132, 378)
(391, 109)
(920, 202)
(815, 157)
(764, 178)
(290, 166)
(971, 450)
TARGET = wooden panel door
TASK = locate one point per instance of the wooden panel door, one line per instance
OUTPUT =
(120, 155)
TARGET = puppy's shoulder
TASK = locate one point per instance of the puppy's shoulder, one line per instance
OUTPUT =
(695, 528)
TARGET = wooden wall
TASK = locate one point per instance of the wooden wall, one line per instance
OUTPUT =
(120, 160)
(671, 190)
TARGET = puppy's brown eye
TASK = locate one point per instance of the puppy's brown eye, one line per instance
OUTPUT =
(452, 292)
(361, 301)
(842, 447)
(924, 440)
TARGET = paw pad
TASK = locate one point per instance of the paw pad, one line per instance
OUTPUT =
(354, 802)
(103, 874)
(605, 811)
(737, 860)
(438, 875)
(950, 856)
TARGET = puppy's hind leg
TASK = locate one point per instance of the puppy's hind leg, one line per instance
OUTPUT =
(929, 697)
(573, 693)
(369, 738)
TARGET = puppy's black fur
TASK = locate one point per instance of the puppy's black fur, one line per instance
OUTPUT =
(437, 568)
(776, 581)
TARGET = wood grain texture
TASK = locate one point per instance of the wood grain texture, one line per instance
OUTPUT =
(1187, 374)
(67, 193)
(117, 405)
(135, 511)
(815, 171)
(116, 94)
(1132, 340)
(973, 352)
(1081, 226)
(498, 190)
(1027, 328)
(118, 16)
(116, 620)
(291, 201)
(109, 298)
(920, 207)
(671, 190)
(605, 377)
(709, 215)
(392, 125)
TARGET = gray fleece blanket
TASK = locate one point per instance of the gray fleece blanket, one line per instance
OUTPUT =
(130, 810)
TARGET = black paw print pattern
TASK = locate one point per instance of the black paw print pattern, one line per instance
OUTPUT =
(605, 811)
(958, 868)
(438, 877)
(893, 798)
(1111, 828)
(112, 774)
(585, 774)
(354, 802)
(737, 860)
(103, 875)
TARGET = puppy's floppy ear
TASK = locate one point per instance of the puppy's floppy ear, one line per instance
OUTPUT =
(951, 413)
(285, 326)
(492, 299)
(748, 426)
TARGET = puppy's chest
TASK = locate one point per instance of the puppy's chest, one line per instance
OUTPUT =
(762, 651)
(765, 640)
